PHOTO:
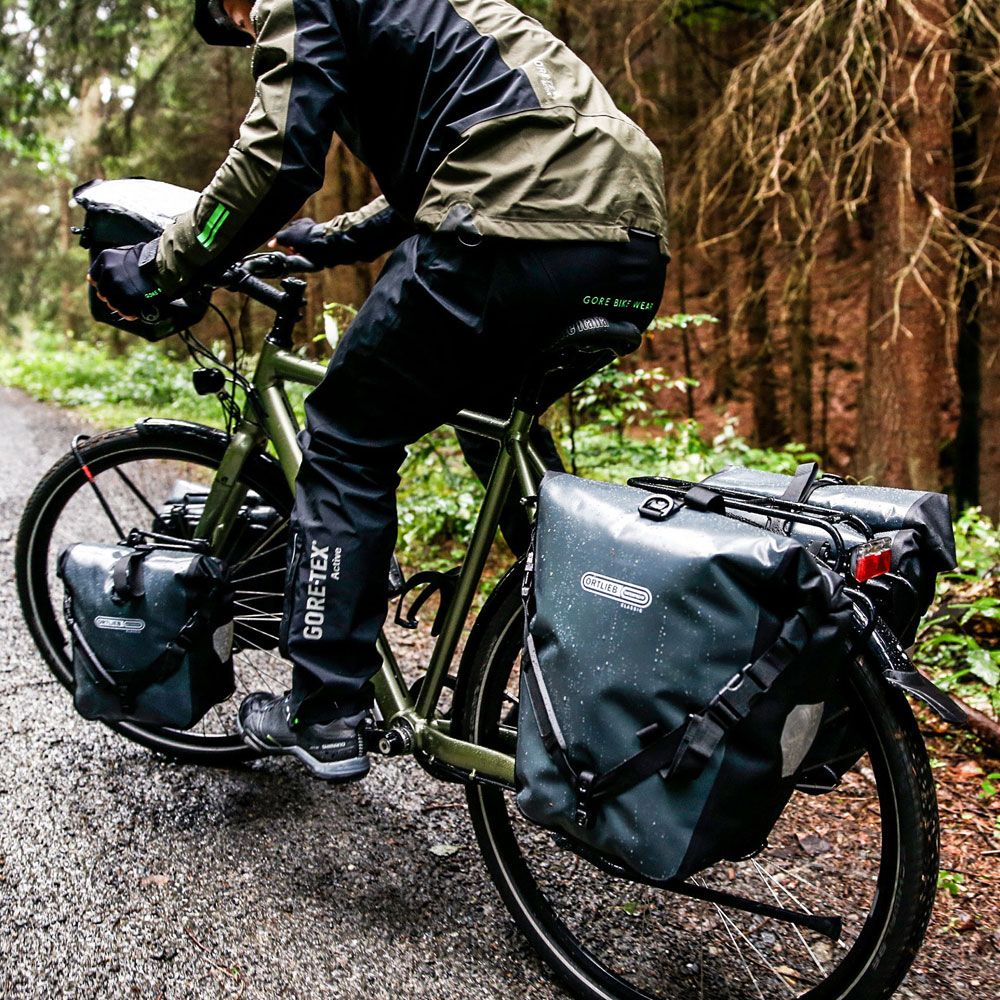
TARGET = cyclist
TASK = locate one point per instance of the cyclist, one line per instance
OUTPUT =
(518, 199)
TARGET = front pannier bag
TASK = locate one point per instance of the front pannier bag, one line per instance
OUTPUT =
(152, 632)
(676, 668)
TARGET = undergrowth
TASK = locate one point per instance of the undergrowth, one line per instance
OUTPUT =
(618, 423)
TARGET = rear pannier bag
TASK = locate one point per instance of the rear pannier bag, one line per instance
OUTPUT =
(676, 669)
(152, 632)
(913, 527)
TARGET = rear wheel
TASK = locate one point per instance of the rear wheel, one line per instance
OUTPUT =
(865, 852)
(153, 476)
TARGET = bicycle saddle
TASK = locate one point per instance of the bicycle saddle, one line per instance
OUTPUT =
(592, 335)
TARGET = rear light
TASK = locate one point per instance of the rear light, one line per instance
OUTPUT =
(872, 559)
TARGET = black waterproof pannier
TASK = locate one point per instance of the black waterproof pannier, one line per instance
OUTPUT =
(255, 551)
(896, 561)
(131, 210)
(677, 665)
(151, 629)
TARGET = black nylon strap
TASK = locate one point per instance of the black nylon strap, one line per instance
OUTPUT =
(684, 752)
(797, 491)
(126, 576)
(657, 756)
(546, 728)
(801, 485)
(548, 725)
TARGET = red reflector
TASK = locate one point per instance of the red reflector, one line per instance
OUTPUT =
(873, 564)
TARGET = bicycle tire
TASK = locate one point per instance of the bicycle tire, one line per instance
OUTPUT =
(148, 440)
(891, 936)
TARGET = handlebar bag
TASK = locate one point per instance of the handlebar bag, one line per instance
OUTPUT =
(913, 526)
(677, 662)
(152, 632)
(120, 213)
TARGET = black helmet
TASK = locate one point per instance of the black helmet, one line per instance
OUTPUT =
(213, 24)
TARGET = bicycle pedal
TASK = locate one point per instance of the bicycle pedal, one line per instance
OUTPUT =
(373, 736)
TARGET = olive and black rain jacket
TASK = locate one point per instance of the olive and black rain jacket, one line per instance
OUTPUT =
(471, 116)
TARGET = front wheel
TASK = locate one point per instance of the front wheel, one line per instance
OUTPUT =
(154, 476)
(866, 852)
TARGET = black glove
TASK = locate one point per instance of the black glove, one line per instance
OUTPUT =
(119, 278)
(364, 240)
(308, 238)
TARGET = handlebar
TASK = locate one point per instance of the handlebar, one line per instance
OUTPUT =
(246, 276)
(275, 264)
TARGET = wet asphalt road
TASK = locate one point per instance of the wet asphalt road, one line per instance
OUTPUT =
(123, 875)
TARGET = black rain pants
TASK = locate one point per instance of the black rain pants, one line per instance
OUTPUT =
(447, 327)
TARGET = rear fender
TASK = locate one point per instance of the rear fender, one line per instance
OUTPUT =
(883, 648)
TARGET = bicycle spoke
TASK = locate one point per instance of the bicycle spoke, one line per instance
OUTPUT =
(728, 925)
(253, 576)
(777, 899)
(259, 555)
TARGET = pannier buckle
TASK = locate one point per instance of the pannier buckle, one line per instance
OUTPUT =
(719, 708)
(584, 790)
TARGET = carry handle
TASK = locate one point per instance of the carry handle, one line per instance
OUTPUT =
(126, 577)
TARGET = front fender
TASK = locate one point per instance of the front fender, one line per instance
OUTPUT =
(211, 439)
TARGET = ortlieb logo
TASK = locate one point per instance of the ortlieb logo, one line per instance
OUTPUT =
(120, 624)
(628, 594)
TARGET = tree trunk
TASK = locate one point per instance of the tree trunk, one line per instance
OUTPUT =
(798, 296)
(769, 428)
(685, 337)
(906, 366)
(988, 196)
(66, 288)
(968, 360)
(717, 265)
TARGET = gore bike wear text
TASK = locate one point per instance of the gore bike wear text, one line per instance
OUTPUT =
(471, 116)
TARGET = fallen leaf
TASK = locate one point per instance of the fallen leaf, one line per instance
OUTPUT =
(444, 850)
(967, 769)
(812, 844)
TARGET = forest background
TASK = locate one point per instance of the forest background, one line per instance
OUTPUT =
(833, 178)
(832, 167)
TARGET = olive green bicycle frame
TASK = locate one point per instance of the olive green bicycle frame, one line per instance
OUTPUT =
(269, 417)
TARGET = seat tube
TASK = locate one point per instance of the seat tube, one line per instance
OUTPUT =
(483, 535)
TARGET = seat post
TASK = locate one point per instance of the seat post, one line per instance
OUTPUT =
(516, 442)
(527, 399)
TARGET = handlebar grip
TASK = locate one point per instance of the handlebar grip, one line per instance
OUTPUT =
(260, 291)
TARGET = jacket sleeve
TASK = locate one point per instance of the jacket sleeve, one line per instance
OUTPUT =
(367, 233)
(278, 160)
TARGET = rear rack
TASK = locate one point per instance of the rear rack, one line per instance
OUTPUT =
(773, 508)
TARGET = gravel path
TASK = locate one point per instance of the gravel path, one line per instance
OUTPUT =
(123, 875)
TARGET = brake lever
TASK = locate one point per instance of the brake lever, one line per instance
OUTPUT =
(275, 264)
